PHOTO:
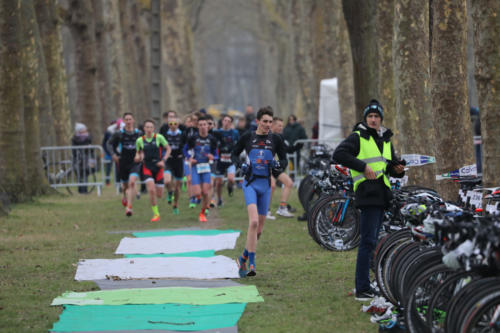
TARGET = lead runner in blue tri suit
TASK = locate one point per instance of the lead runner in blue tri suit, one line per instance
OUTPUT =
(260, 146)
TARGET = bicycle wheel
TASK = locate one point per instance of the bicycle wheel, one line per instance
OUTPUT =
(484, 315)
(440, 300)
(337, 224)
(420, 294)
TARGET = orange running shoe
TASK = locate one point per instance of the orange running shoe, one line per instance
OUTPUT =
(124, 202)
(203, 218)
(156, 218)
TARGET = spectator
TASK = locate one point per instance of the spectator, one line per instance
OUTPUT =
(115, 126)
(251, 122)
(82, 158)
(293, 132)
(241, 125)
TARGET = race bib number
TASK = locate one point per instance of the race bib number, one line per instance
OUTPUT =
(476, 199)
(226, 158)
(203, 167)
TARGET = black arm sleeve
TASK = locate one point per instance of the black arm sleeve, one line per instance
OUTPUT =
(280, 150)
(113, 143)
(346, 153)
(238, 148)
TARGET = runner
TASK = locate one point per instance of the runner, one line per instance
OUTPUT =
(261, 146)
(191, 123)
(123, 149)
(175, 163)
(227, 137)
(213, 165)
(287, 182)
(204, 147)
(150, 148)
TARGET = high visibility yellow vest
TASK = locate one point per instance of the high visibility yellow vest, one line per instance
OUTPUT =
(370, 154)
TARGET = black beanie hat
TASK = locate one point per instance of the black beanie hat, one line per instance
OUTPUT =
(374, 106)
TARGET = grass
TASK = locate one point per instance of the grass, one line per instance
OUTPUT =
(304, 286)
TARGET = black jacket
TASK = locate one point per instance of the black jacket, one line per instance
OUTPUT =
(370, 193)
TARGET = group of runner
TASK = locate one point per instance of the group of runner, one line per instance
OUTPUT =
(196, 152)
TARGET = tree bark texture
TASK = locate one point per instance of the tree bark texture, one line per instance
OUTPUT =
(12, 162)
(87, 108)
(385, 31)
(177, 49)
(103, 59)
(412, 82)
(360, 16)
(449, 91)
(49, 25)
(486, 18)
(35, 95)
(344, 67)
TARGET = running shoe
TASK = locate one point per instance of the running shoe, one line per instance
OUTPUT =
(156, 218)
(290, 208)
(212, 203)
(176, 211)
(365, 295)
(283, 211)
(207, 212)
(124, 202)
(192, 203)
(242, 267)
(220, 203)
(203, 218)
(170, 197)
(230, 190)
(270, 216)
(251, 270)
(128, 211)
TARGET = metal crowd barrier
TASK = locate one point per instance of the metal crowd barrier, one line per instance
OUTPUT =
(79, 167)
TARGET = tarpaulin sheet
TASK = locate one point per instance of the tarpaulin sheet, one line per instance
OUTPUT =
(180, 295)
(177, 244)
(202, 254)
(216, 267)
(207, 232)
(178, 317)
(155, 283)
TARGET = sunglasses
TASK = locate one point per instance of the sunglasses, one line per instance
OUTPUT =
(172, 123)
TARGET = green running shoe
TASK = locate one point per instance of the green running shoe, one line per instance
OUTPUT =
(176, 211)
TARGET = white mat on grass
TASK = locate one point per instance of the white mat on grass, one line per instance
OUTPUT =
(159, 267)
(177, 244)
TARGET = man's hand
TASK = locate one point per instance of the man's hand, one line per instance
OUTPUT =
(210, 157)
(116, 159)
(192, 161)
(369, 174)
(160, 164)
(137, 158)
(399, 169)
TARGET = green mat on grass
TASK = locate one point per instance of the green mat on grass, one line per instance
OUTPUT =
(177, 317)
(180, 295)
(208, 232)
(202, 254)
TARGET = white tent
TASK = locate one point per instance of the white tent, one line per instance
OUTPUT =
(329, 110)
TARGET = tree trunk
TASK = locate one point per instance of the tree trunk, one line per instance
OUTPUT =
(360, 16)
(103, 52)
(49, 24)
(412, 80)
(12, 162)
(385, 26)
(177, 47)
(449, 91)
(345, 81)
(35, 95)
(486, 18)
(87, 108)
